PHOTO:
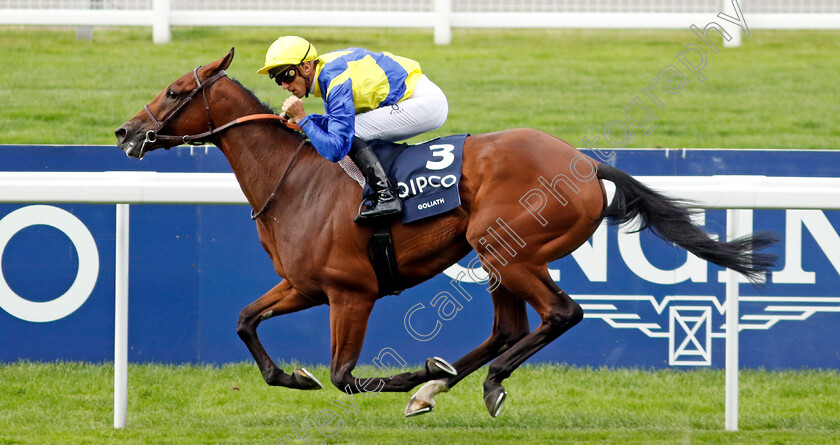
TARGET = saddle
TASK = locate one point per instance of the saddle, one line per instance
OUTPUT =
(426, 174)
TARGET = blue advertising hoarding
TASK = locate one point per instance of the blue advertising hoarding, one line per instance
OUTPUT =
(193, 268)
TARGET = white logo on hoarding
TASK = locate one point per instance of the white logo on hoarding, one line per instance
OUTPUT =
(689, 322)
(86, 276)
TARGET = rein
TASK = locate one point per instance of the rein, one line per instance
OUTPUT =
(152, 136)
(255, 215)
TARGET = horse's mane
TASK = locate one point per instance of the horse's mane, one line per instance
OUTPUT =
(266, 108)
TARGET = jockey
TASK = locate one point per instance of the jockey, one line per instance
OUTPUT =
(366, 96)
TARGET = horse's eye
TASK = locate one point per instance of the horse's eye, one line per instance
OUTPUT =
(171, 94)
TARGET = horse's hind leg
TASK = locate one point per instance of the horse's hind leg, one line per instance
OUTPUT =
(510, 324)
(282, 299)
(558, 313)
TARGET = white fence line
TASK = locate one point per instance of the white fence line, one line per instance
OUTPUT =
(120, 188)
(441, 18)
(124, 188)
(709, 192)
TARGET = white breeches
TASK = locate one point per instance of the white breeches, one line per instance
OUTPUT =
(425, 110)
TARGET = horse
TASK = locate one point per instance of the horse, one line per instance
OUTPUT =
(304, 207)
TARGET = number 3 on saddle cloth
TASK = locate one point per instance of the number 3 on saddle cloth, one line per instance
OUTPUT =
(427, 176)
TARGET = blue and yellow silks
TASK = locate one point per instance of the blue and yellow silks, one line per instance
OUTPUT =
(354, 81)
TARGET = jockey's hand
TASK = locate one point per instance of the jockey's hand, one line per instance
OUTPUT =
(293, 109)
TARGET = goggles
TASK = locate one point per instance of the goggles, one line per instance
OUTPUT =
(288, 74)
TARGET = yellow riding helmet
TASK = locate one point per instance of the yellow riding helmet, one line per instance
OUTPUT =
(288, 50)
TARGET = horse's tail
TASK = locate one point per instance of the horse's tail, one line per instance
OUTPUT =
(670, 219)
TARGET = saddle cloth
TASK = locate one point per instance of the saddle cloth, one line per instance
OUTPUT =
(427, 174)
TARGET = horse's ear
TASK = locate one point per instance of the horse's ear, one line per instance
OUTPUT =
(220, 64)
(225, 63)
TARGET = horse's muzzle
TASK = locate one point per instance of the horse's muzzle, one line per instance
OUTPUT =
(133, 144)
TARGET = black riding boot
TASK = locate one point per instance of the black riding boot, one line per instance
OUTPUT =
(387, 202)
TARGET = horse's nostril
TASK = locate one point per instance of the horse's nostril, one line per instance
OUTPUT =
(120, 133)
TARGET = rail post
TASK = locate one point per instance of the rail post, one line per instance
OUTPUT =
(121, 318)
(161, 33)
(443, 22)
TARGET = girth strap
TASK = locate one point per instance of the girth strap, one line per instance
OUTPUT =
(383, 258)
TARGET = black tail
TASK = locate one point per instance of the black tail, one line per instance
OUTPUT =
(670, 219)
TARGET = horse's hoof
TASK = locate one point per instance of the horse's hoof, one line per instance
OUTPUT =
(494, 400)
(439, 367)
(416, 407)
(305, 379)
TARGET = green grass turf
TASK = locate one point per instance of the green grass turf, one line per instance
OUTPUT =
(71, 403)
(776, 91)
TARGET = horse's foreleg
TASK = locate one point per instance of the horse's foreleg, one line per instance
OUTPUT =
(348, 324)
(510, 324)
(282, 299)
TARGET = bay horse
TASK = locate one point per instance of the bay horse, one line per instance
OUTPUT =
(304, 207)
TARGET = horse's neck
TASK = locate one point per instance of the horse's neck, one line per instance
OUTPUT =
(259, 154)
(256, 161)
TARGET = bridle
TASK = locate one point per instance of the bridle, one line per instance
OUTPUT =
(200, 138)
(152, 136)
